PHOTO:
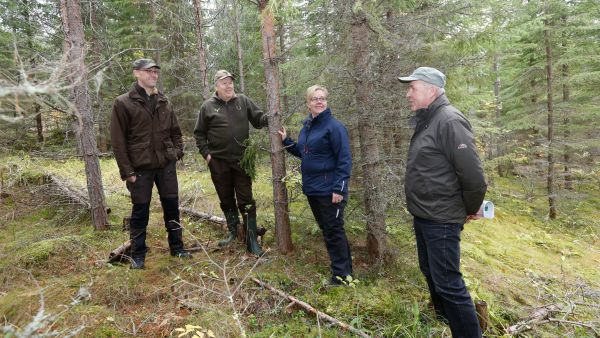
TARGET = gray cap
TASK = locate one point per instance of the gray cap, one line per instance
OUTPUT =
(144, 64)
(426, 74)
(221, 74)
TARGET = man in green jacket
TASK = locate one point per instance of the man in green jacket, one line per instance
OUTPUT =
(146, 142)
(221, 132)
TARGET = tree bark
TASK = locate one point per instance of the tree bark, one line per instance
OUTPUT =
(550, 106)
(568, 178)
(282, 49)
(75, 43)
(280, 200)
(201, 52)
(369, 150)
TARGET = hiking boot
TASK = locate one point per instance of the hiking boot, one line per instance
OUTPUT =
(137, 263)
(182, 254)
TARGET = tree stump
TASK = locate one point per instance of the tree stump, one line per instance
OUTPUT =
(482, 315)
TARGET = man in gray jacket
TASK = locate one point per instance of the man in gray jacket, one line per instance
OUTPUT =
(221, 132)
(444, 188)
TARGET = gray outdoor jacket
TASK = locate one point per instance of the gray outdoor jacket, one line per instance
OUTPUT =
(444, 178)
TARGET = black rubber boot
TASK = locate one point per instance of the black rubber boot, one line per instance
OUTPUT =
(251, 237)
(233, 220)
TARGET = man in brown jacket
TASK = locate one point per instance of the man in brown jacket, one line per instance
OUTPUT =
(147, 142)
(221, 133)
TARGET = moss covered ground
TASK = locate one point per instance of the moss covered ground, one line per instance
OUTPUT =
(53, 262)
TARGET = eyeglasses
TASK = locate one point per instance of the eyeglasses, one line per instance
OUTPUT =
(316, 99)
(151, 71)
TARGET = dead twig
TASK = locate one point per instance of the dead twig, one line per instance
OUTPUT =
(310, 309)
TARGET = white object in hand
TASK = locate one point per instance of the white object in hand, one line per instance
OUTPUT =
(486, 210)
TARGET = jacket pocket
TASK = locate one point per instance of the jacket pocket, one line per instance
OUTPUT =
(171, 151)
(140, 155)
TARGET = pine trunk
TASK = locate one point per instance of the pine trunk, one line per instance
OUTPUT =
(201, 52)
(550, 105)
(75, 43)
(280, 200)
(282, 49)
(373, 199)
(568, 178)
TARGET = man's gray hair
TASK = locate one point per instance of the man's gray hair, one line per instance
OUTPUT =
(438, 90)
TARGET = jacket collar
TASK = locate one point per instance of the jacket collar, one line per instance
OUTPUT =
(134, 93)
(425, 114)
(322, 116)
(218, 99)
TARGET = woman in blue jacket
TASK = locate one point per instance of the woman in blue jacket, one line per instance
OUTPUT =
(324, 149)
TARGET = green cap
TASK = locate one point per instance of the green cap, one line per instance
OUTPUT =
(221, 74)
(426, 74)
(144, 64)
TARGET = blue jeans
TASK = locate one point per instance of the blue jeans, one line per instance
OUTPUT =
(438, 247)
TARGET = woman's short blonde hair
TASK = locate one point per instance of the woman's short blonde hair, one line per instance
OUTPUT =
(312, 89)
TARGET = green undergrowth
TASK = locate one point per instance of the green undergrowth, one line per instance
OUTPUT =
(50, 255)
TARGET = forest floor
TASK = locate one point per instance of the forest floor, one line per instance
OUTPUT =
(54, 275)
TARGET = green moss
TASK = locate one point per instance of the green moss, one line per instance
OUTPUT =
(39, 252)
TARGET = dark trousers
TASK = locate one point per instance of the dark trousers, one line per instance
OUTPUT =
(438, 247)
(330, 218)
(165, 180)
(232, 183)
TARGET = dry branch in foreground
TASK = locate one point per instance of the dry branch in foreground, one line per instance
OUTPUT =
(310, 309)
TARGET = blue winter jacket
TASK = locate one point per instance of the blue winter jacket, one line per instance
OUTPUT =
(324, 149)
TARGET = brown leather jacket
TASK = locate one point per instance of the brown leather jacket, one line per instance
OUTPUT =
(141, 138)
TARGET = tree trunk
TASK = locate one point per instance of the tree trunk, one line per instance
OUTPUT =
(282, 49)
(280, 200)
(75, 42)
(550, 104)
(39, 126)
(238, 46)
(568, 178)
(373, 199)
(201, 53)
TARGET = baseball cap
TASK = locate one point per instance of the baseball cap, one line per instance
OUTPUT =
(144, 64)
(426, 74)
(221, 74)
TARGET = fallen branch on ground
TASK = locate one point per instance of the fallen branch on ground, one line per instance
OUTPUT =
(204, 216)
(539, 316)
(310, 309)
(75, 194)
(118, 254)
